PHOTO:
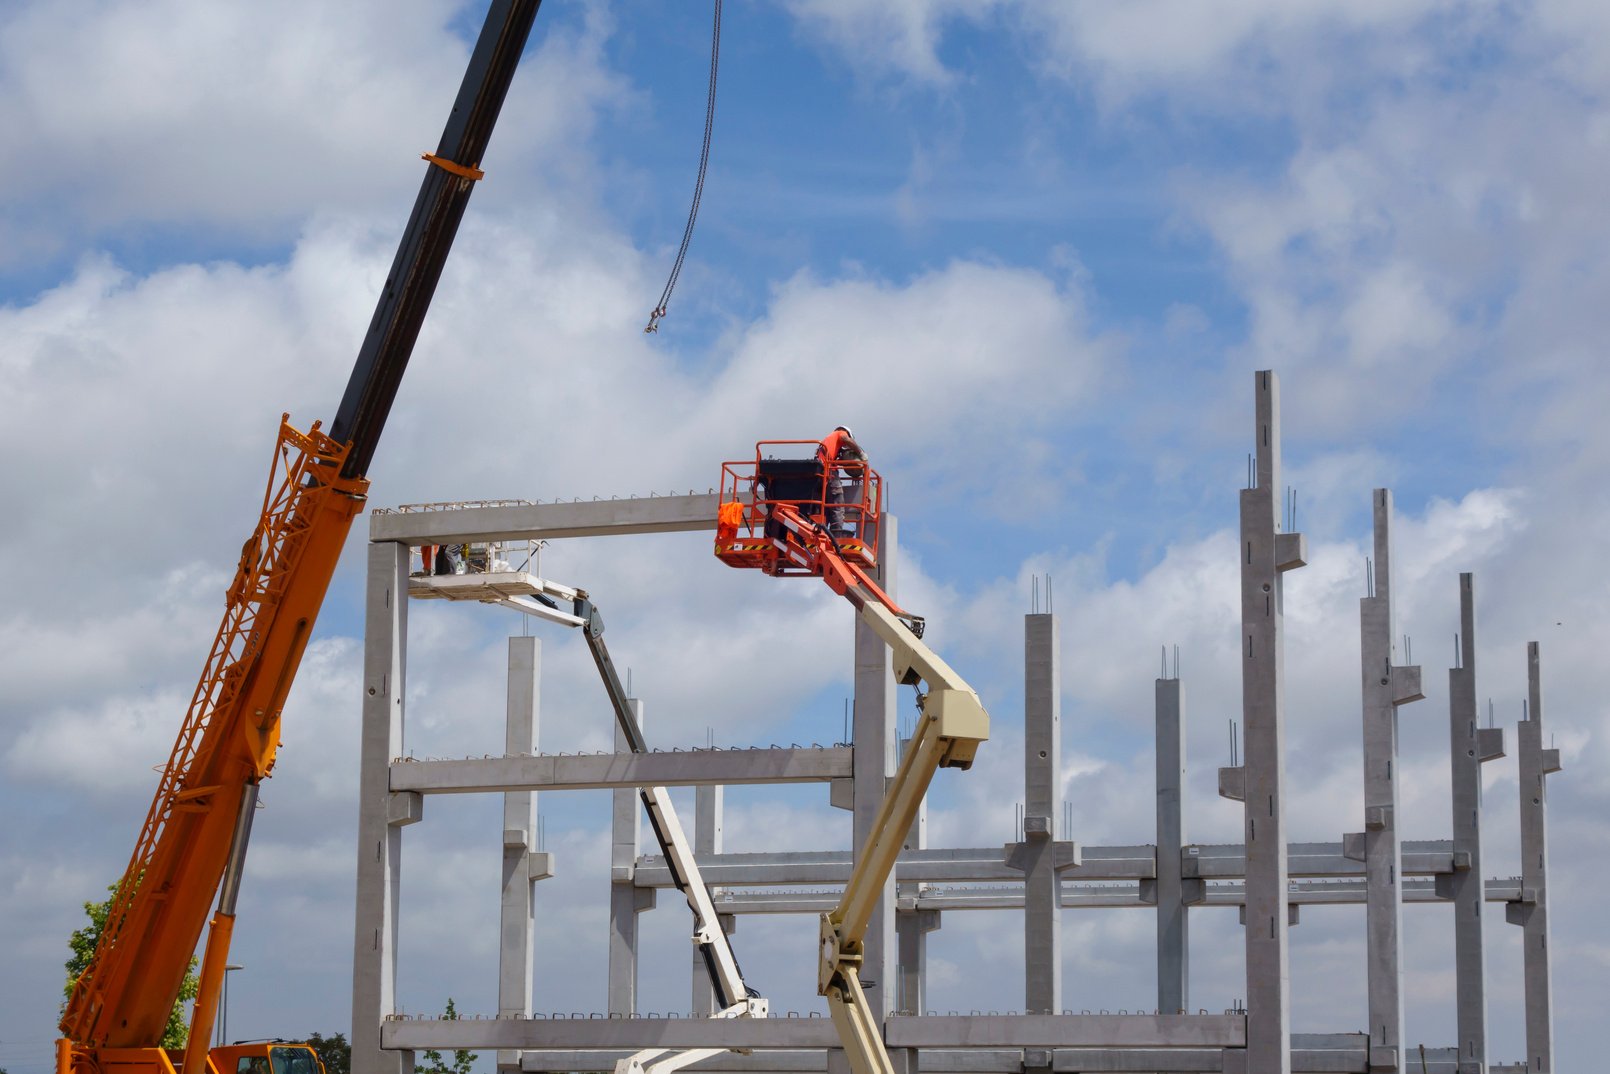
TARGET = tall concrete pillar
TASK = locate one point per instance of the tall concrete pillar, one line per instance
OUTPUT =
(911, 925)
(1385, 686)
(626, 899)
(875, 740)
(708, 806)
(520, 858)
(1042, 781)
(1470, 745)
(380, 813)
(1266, 554)
(1173, 922)
(1531, 910)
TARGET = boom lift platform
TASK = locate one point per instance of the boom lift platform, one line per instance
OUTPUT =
(777, 514)
(490, 577)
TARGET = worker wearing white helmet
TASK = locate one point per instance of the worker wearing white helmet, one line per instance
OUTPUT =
(840, 454)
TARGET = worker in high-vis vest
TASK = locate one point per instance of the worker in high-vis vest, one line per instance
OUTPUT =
(837, 448)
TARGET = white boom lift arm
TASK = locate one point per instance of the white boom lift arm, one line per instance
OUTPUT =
(952, 724)
(736, 998)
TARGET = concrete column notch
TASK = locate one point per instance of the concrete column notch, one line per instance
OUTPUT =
(380, 820)
(1173, 921)
(1470, 746)
(1266, 554)
(1385, 685)
(1530, 911)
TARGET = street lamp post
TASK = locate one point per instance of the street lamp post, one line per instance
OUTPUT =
(223, 1009)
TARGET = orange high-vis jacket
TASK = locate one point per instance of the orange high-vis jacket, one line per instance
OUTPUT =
(728, 518)
(831, 445)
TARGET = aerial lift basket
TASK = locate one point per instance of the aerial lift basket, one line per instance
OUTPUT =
(775, 507)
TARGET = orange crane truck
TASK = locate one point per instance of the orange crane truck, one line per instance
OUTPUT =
(193, 842)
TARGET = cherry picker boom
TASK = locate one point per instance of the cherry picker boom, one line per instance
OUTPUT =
(547, 599)
(193, 842)
(776, 514)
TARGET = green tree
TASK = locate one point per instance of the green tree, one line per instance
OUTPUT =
(334, 1052)
(463, 1061)
(83, 942)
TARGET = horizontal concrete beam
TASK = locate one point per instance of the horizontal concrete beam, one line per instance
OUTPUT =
(546, 521)
(604, 771)
(1009, 896)
(927, 866)
(984, 1061)
(929, 1031)
(630, 1034)
(1067, 1031)
(1227, 861)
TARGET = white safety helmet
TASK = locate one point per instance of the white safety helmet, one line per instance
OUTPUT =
(845, 429)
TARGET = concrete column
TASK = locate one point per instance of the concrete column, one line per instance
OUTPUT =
(911, 925)
(1384, 687)
(1470, 745)
(875, 738)
(1042, 783)
(626, 900)
(519, 843)
(1173, 922)
(1531, 911)
(708, 805)
(380, 814)
(1266, 554)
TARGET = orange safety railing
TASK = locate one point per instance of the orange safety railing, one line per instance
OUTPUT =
(768, 500)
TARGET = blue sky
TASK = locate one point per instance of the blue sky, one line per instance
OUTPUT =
(1030, 252)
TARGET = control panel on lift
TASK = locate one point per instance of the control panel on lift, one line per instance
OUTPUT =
(777, 506)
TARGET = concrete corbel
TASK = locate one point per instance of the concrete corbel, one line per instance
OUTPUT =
(1551, 761)
(1065, 854)
(1291, 551)
(404, 807)
(1353, 846)
(539, 865)
(1489, 743)
(841, 793)
(1233, 783)
(1406, 684)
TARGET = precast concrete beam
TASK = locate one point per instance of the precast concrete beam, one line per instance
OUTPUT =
(929, 1031)
(929, 865)
(1227, 861)
(614, 771)
(546, 521)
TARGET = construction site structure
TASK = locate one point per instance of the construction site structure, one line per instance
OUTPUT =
(1042, 873)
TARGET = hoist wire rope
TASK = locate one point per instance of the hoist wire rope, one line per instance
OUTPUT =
(698, 186)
